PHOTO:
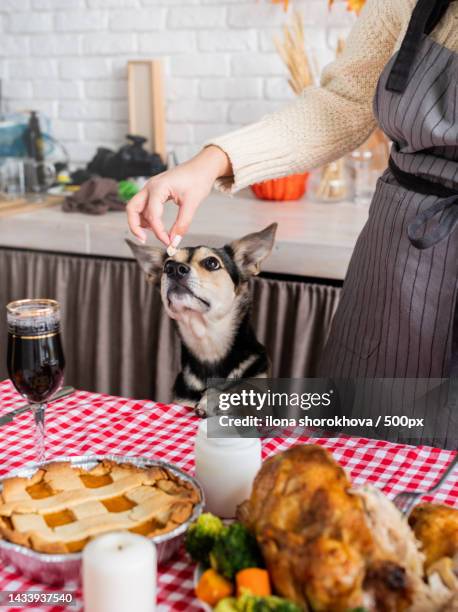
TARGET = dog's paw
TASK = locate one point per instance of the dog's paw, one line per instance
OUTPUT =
(206, 409)
(201, 408)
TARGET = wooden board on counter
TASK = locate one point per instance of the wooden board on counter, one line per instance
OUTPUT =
(146, 103)
(23, 205)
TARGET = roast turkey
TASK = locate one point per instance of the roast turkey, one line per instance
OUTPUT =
(330, 548)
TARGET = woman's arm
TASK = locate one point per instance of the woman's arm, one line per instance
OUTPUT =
(325, 122)
(322, 125)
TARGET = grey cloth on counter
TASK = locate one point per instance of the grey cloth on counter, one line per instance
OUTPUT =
(118, 339)
(95, 197)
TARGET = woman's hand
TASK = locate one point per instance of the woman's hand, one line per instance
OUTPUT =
(187, 185)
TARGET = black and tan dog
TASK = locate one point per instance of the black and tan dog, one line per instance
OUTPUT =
(206, 291)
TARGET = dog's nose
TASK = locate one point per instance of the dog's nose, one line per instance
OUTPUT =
(176, 269)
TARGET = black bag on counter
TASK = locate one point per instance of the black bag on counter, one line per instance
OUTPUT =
(131, 160)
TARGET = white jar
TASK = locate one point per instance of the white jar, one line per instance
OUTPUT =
(226, 468)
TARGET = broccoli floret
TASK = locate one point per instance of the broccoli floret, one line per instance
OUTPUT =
(235, 549)
(201, 536)
(250, 603)
(278, 604)
(229, 604)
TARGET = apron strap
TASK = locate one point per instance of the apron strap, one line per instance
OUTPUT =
(448, 205)
(426, 15)
(442, 229)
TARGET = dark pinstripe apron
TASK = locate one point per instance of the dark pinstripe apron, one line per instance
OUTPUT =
(397, 317)
(395, 331)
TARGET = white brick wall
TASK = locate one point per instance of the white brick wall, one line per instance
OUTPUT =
(67, 58)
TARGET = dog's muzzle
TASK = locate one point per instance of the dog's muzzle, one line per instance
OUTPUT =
(178, 276)
(176, 270)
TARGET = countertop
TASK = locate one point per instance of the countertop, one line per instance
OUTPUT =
(313, 240)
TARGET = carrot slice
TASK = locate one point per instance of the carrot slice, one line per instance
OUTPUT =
(212, 587)
(253, 580)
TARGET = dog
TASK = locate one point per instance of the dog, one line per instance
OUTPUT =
(206, 291)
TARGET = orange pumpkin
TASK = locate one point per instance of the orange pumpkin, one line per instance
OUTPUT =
(284, 2)
(282, 189)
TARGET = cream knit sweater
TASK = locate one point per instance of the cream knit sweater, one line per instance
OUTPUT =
(328, 121)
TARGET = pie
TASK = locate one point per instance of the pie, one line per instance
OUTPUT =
(62, 506)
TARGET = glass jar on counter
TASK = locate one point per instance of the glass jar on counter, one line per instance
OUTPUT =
(331, 183)
(367, 164)
(364, 175)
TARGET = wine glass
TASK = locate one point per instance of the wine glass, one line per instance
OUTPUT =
(35, 358)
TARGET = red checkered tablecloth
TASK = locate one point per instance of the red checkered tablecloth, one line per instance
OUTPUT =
(90, 423)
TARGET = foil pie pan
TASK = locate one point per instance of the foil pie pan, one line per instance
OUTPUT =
(61, 568)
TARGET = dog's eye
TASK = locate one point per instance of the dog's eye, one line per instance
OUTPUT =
(210, 263)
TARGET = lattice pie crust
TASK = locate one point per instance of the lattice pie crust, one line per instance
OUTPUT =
(61, 507)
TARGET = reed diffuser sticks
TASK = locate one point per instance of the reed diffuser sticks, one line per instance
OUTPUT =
(294, 55)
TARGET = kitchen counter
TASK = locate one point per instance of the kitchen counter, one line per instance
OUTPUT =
(313, 240)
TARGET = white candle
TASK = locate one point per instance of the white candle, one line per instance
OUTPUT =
(119, 573)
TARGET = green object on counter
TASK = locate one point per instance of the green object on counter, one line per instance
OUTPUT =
(127, 190)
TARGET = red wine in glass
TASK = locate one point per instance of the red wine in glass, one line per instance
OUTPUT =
(35, 358)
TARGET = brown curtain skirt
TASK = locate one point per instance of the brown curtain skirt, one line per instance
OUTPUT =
(118, 339)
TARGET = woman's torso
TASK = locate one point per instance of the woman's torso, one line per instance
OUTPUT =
(422, 122)
(395, 319)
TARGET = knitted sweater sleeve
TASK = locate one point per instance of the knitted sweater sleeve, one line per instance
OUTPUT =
(325, 122)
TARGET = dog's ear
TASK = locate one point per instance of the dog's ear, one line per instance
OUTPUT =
(150, 259)
(251, 250)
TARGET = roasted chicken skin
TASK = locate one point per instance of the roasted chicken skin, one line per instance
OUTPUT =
(436, 528)
(315, 539)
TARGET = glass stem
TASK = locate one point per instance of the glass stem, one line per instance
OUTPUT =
(40, 430)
